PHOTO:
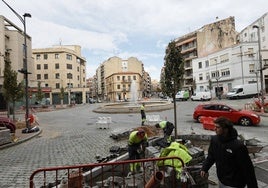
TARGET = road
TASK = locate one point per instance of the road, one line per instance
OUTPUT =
(70, 137)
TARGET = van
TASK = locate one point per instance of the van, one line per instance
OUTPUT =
(182, 96)
(243, 91)
(201, 96)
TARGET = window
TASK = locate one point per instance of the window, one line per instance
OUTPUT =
(45, 76)
(118, 78)
(45, 66)
(118, 86)
(215, 74)
(56, 56)
(224, 58)
(69, 76)
(213, 61)
(200, 77)
(57, 85)
(225, 72)
(200, 65)
(38, 56)
(250, 52)
(78, 77)
(45, 56)
(207, 63)
(207, 76)
(69, 66)
(251, 68)
(38, 66)
(134, 77)
(57, 76)
(77, 69)
(68, 56)
(38, 76)
(57, 66)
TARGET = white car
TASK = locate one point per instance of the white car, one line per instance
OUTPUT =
(201, 96)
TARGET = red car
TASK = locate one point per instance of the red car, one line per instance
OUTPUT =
(242, 117)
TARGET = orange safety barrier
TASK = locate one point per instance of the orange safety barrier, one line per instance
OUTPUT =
(112, 174)
(208, 123)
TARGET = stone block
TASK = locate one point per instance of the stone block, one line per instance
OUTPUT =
(5, 137)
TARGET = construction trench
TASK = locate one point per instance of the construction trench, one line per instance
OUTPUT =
(113, 170)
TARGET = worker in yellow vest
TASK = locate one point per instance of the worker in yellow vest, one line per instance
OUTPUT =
(137, 142)
(167, 128)
(143, 115)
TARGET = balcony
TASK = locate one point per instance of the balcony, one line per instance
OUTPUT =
(126, 81)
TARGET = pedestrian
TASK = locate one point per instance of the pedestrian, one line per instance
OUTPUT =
(233, 164)
(167, 128)
(143, 115)
(137, 143)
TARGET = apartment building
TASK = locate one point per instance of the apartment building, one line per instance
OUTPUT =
(12, 46)
(226, 68)
(250, 34)
(204, 41)
(61, 67)
(115, 77)
(147, 84)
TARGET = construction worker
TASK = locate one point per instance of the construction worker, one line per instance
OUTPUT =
(143, 115)
(167, 128)
(175, 150)
(137, 142)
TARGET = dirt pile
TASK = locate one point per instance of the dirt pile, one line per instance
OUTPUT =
(150, 130)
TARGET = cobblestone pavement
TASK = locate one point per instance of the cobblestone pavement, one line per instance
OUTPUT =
(70, 137)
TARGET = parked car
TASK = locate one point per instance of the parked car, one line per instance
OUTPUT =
(91, 100)
(242, 117)
(201, 96)
(182, 96)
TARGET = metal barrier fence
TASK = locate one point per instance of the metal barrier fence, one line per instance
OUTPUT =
(110, 174)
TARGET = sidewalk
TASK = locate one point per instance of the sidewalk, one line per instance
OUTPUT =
(20, 137)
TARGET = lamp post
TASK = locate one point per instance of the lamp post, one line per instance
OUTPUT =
(24, 70)
(261, 68)
(69, 88)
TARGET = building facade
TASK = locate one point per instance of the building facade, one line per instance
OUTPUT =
(61, 67)
(250, 34)
(12, 46)
(120, 80)
(206, 40)
(218, 72)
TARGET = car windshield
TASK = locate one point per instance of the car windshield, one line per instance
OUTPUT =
(234, 90)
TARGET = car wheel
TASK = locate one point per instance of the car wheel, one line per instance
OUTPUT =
(199, 119)
(245, 121)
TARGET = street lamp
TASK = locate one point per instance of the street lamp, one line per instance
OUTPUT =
(69, 88)
(24, 70)
(261, 69)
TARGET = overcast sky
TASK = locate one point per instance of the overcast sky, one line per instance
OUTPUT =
(125, 28)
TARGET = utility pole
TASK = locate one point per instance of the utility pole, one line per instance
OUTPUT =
(261, 68)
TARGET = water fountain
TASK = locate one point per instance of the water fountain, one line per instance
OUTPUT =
(133, 92)
(133, 106)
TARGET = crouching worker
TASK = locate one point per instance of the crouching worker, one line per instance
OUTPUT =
(175, 150)
(167, 128)
(137, 143)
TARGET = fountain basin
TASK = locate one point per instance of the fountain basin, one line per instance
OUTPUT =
(127, 107)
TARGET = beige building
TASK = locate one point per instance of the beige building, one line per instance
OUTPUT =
(12, 46)
(206, 40)
(118, 79)
(61, 66)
